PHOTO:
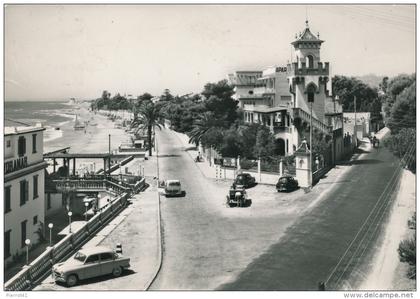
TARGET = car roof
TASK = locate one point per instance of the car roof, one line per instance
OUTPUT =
(287, 176)
(95, 250)
(172, 181)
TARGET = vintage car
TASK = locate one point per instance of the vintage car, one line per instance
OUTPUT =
(88, 263)
(287, 183)
(173, 188)
(244, 180)
(237, 197)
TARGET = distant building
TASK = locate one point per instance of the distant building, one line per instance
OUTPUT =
(280, 97)
(363, 127)
(24, 168)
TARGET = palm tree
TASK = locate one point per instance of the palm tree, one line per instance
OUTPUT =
(202, 125)
(148, 118)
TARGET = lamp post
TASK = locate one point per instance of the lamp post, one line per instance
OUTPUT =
(27, 242)
(50, 226)
(69, 214)
(86, 208)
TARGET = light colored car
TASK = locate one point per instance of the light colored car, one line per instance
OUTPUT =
(88, 263)
(173, 188)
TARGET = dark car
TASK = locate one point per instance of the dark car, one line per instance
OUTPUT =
(244, 179)
(287, 183)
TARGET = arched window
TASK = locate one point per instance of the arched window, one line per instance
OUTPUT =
(310, 61)
(310, 91)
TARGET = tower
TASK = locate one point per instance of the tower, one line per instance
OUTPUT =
(307, 75)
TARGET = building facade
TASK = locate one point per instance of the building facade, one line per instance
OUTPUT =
(285, 98)
(24, 169)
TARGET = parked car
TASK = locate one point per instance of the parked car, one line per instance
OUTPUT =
(88, 263)
(173, 188)
(244, 180)
(238, 198)
(287, 183)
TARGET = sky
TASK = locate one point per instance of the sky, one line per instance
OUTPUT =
(77, 51)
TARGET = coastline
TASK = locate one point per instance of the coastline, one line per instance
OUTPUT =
(95, 139)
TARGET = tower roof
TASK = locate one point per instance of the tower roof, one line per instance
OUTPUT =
(306, 36)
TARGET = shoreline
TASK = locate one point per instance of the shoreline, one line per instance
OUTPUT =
(94, 139)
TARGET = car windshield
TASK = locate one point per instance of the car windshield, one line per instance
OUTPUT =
(174, 184)
(80, 256)
(283, 180)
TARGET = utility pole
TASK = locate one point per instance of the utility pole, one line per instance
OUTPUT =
(310, 150)
(355, 120)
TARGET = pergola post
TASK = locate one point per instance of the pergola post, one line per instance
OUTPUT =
(74, 166)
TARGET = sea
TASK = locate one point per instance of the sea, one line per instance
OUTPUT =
(53, 115)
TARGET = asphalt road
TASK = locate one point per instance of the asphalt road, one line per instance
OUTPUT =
(206, 243)
(312, 246)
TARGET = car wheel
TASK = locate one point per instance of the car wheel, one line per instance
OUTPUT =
(117, 271)
(71, 280)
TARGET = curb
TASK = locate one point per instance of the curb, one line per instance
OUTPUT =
(160, 248)
(159, 228)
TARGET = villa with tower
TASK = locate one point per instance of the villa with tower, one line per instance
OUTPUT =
(287, 99)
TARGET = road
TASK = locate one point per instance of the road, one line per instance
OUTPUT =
(207, 244)
(312, 247)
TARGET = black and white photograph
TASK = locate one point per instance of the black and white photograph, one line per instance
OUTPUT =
(216, 147)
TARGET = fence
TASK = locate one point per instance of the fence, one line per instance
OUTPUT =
(28, 277)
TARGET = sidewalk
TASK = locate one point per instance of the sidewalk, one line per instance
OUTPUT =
(137, 228)
(204, 166)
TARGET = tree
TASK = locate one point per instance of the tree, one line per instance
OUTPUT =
(366, 97)
(403, 145)
(149, 117)
(407, 250)
(218, 99)
(265, 143)
(394, 87)
(166, 96)
(403, 111)
(201, 126)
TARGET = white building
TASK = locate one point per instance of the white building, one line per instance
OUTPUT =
(23, 187)
(283, 98)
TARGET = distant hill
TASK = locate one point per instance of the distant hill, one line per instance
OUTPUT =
(371, 79)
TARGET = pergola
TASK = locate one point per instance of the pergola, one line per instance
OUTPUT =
(67, 157)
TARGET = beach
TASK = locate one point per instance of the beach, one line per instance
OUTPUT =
(94, 139)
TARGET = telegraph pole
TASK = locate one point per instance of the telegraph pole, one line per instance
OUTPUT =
(355, 120)
(310, 149)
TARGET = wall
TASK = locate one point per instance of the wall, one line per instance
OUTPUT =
(318, 107)
(33, 207)
(56, 204)
(32, 157)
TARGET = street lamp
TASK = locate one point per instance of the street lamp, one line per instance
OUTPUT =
(27, 242)
(50, 226)
(86, 208)
(69, 214)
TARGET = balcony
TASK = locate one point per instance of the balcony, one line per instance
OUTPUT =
(264, 91)
(280, 129)
(323, 69)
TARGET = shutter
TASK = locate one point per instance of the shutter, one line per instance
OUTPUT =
(26, 190)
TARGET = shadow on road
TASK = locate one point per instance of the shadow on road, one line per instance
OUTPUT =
(191, 148)
(168, 156)
(98, 279)
(362, 162)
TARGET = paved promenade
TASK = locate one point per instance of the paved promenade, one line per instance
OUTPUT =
(137, 229)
